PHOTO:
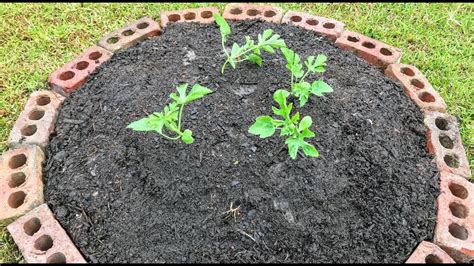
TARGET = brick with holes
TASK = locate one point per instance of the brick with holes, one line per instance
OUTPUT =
(142, 29)
(454, 231)
(73, 74)
(325, 26)
(417, 87)
(374, 52)
(444, 141)
(429, 253)
(201, 15)
(21, 182)
(36, 122)
(241, 11)
(41, 239)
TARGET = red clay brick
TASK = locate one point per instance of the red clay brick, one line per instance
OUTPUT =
(127, 36)
(429, 253)
(36, 122)
(73, 74)
(417, 87)
(454, 231)
(325, 26)
(240, 11)
(21, 182)
(201, 15)
(444, 141)
(41, 239)
(375, 52)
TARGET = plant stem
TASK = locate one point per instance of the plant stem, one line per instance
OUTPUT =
(179, 117)
(170, 138)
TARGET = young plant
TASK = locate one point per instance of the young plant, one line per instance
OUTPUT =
(170, 117)
(299, 87)
(265, 126)
(249, 51)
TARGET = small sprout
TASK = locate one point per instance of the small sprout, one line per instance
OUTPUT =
(170, 117)
(297, 131)
(303, 89)
(249, 51)
(233, 211)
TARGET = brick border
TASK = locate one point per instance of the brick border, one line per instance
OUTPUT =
(21, 169)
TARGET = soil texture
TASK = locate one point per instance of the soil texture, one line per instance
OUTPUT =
(126, 196)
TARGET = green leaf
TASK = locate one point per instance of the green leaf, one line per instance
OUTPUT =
(187, 136)
(255, 58)
(267, 33)
(305, 123)
(268, 49)
(223, 26)
(280, 96)
(320, 87)
(320, 63)
(293, 62)
(307, 133)
(232, 63)
(197, 92)
(139, 125)
(263, 126)
(309, 150)
(293, 146)
(149, 123)
(181, 99)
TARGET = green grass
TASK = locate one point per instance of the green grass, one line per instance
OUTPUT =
(39, 38)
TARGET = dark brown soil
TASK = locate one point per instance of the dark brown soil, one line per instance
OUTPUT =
(126, 196)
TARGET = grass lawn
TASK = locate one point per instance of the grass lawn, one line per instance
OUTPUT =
(39, 38)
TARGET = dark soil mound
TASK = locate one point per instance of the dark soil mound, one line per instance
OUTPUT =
(126, 196)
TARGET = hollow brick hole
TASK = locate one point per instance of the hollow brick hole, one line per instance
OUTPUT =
(312, 22)
(427, 97)
(43, 100)
(253, 12)
(269, 13)
(32, 226)
(451, 160)
(82, 65)
(43, 243)
(143, 25)
(458, 210)
(295, 18)
(95, 55)
(128, 32)
(190, 16)
(386, 51)
(329, 25)
(36, 115)
(433, 259)
(458, 231)
(368, 45)
(446, 141)
(17, 161)
(57, 257)
(28, 130)
(16, 179)
(417, 84)
(441, 123)
(458, 190)
(206, 14)
(112, 40)
(352, 38)
(66, 75)
(407, 71)
(236, 11)
(174, 17)
(16, 199)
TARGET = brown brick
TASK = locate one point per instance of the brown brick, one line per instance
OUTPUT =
(127, 36)
(36, 121)
(444, 141)
(429, 253)
(21, 182)
(41, 239)
(325, 26)
(417, 87)
(374, 52)
(454, 231)
(201, 15)
(240, 11)
(73, 74)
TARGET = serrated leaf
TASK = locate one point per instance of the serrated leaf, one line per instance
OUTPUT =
(267, 33)
(320, 63)
(187, 136)
(232, 63)
(307, 133)
(293, 145)
(268, 49)
(263, 127)
(305, 123)
(320, 87)
(309, 150)
(223, 26)
(234, 52)
(280, 96)
(139, 125)
(197, 92)
(181, 98)
(295, 118)
(255, 58)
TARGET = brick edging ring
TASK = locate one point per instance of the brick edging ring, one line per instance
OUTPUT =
(35, 229)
